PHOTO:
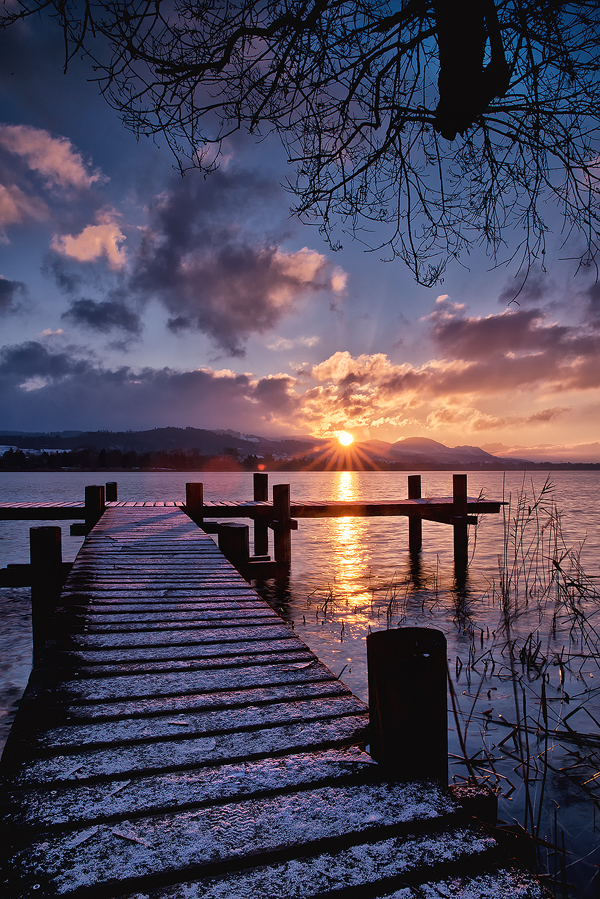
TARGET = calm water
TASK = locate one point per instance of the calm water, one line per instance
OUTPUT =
(524, 660)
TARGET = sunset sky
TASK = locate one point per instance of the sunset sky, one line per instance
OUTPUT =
(131, 298)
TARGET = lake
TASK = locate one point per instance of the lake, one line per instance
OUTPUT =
(522, 633)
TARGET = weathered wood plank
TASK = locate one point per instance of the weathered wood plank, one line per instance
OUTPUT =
(174, 754)
(39, 809)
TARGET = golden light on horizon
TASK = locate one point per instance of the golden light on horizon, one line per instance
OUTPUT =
(345, 438)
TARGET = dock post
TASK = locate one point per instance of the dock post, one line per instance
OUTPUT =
(45, 554)
(415, 524)
(408, 715)
(282, 527)
(94, 505)
(194, 501)
(261, 527)
(459, 521)
(111, 492)
(234, 542)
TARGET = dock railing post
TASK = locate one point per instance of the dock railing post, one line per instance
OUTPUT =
(459, 521)
(415, 523)
(282, 528)
(408, 715)
(45, 554)
(94, 505)
(194, 501)
(261, 526)
(111, 492)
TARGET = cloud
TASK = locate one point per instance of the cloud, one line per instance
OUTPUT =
(12, 294)
(212, 256)
(17, 207)
(534, 289)
(52, 157)
(285, 343)
(101, 241)
(103, 316)
(516, 350)
(69, 388)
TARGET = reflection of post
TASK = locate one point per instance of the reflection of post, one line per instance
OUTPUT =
(261, 526)
(194, 501)
(459, 521)
(407, 702)
(94, 505)
(415, 524)
(45, 552)
(282, 527)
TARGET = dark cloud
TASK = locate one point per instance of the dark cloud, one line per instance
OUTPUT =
(67, 278)
(277, 393)
(104, 316)
(534, 290)
(217, 275)
(593, 297)
(12, 296)
(41, 389)
(520, 338)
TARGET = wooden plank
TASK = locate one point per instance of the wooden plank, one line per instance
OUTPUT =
(38, 809)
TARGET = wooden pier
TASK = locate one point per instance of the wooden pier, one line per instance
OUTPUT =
(178, 741)
(281, 515)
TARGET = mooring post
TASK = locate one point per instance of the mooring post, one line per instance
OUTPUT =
(94, 505)
(282, 527)
(45, 554)
(459, 521)
(111, 492)
(261, 526)
(194, 501)
(234, 542)
(408, 715)
(415, 524)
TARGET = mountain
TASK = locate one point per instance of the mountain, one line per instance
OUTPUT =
(423, 450)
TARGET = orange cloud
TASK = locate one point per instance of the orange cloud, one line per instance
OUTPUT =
(16, 206)
(95, 242)
(53, 157)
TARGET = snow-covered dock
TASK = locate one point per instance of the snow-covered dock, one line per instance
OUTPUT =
(178, 741)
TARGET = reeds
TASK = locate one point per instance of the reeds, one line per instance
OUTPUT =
(538, 742)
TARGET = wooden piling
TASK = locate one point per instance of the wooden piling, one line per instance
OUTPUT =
(415, 525)
(94, 504)
(282, 526)
(194, 501)
(234, 542)
(261, 527)
(459, 522)
(407, 702)
(45, 553)
(111, 493)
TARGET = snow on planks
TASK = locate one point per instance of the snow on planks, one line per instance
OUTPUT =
(178, 740)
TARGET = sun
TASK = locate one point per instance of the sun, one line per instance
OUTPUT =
(345, 438)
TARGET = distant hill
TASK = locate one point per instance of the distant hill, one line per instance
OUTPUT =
(423, 450)
(162, 439)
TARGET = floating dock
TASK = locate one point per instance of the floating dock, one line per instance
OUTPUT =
(178, 741)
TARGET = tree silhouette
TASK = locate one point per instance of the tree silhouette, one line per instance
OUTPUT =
(423, 126)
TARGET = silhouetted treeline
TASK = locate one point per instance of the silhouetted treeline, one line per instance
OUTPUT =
(91, 459)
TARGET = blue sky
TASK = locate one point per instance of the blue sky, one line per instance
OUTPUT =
(133, 298)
